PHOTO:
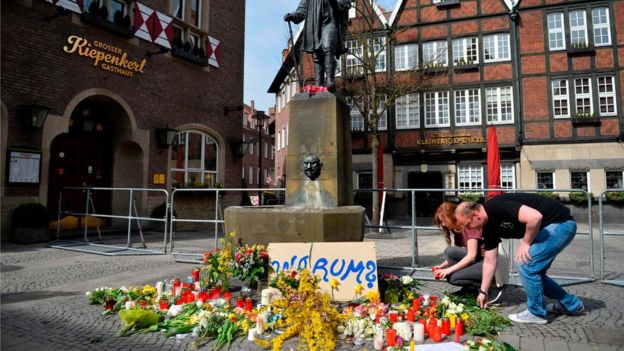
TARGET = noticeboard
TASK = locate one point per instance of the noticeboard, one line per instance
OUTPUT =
(24, 166)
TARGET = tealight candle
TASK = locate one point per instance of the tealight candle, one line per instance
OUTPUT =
(240, 302)
(419, 332)
(425, 301)
(163, 304)
(433, 300)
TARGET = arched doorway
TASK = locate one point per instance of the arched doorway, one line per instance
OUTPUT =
(83, 156)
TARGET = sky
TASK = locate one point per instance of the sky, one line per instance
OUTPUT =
(266, 35)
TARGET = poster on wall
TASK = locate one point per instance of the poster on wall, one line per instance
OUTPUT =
(24, 166)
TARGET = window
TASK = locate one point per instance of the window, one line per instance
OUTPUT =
(578, 180)
(407, 111)
(251, 148)
(194, 159)
(465, 51)
(405, 57)
(357, 121)
(266, 150)
(178, 8)
(435, 53)
(364, 180)
(467, 107)
(470, 177)
(615, 179)
(578, 28)
(606, 96)
(272, 152)
(508, 176)
(583, 96)
(496, 47)
(556, 32)
(545, 180)
(561, 107)
(196, 13)
(250, 178)
(117, 9)
(338, 68)
(382, 123)
(437, 109)
(353, 57)
(377, 47)
(600, 21)
(499, 105)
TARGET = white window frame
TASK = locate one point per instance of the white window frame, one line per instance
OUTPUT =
(582, 96)
(496, 116)
(405, 57)
(561, 94)
(587, 179)
(607, 95)
(353, 10)
(272, 152)
(251, 175)
(410, 104)
(198, 22)
(537, 182)
(578, 27)
(436, 53)
(508, 175)
(620, 180)
(440, 110)
(377, 49)
(266, 150)
(470, 177)
(466, 50)
(382, 123)
(465, 107)
(206, 139)
(598, 25)
(353, 62)
(556, 29)
(498, 46)
(183, 4)
(357, 120)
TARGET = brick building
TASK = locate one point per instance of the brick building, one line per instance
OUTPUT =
(547, 74)
(137, 94)
(258, 152)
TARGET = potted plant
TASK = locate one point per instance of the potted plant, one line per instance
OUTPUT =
(616, 197)
(30, 224)
(579, 197)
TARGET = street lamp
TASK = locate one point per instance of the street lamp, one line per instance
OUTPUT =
(260, 116)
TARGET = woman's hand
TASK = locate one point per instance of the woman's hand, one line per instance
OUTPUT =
(442, 273)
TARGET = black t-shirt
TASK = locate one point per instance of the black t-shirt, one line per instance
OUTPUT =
(503, 211)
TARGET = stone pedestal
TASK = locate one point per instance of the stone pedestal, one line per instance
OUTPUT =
(320, 125)
(263, 225)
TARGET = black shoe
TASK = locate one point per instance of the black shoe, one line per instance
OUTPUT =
(495, 293)
(466, 291)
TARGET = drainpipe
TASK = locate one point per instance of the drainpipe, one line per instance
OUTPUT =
(515, 18)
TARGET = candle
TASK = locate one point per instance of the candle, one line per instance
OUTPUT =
(240, 302)
(176, 287)
(196, 285)
(436, 334)
(416, 304)
(248, 304)
(130, 305)
(378, 344)
(459, 330)
(265, 297)
(259, 325)
(393, 316)
(446, 326)
(412, 345)
(425, 300)
(452, 320)
(110, 303)
(143, 304)
(433, 322)
(410, 315)
(423, 322)
(377, 316)
(195, 274)
(391, 337)
(251, 336)
(419, 332)
(159, 289)
(202, 296)
(163, 304)
(433, 300)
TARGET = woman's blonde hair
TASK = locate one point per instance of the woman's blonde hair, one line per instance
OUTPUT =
(444, 218)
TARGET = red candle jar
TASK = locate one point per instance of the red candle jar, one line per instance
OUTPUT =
(433, 322)
(143, 304)
(377, 316)
(391, 337)
(459, 330)
(248, 302)
(410, 315)
(240, 302)
(202, 296)
(163, 304)
(393, 316)
(416, 304)
(227, 295)
(446, 326)
(176, 285)
(195, 274)
(433, 300)
(110, 303)
(179, 301)
(436, 334)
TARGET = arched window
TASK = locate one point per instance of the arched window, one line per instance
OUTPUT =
(193, 160)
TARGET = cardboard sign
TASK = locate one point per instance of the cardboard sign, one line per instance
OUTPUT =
(351, 263)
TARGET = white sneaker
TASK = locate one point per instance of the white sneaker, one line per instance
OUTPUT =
(527, 317)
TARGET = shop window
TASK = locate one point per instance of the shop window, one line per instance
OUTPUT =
(194, 159)
(470, 177)
(561, 103)
(496, 47)
(436, 109)
(467, 107)
(545, 180)
(435, 54)
(508, 176)
(615, 179)
(499, 105)
(405, 57)
(465, 51)
(407, 111)
(579, 180)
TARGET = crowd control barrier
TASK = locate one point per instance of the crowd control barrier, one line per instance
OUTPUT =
(614, 274)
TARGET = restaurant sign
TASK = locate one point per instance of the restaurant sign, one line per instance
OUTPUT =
(105, 56)
(442, 139)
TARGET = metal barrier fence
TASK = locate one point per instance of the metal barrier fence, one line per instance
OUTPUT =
(603, 273)
(85, 245)
(423, 271)
(191, 255)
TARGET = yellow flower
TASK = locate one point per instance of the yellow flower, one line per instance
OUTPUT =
(334, 283)
(358, 289)
(464, 316)
(373, 296)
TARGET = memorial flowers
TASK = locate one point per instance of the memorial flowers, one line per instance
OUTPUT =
(395, 289)
(251, 263)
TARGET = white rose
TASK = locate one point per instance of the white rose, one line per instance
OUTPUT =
(88, 293)
(460, 308)
(446, 300)
(174, 310)
(406, 279)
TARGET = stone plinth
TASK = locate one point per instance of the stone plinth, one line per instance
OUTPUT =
(262, 225)
(319, 125)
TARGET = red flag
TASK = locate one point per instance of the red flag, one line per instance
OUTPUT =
(380, 182)
(493, 163)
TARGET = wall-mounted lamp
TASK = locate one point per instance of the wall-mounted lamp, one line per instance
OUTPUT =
(239, 147)
(165, 136)
(232, 108)
(161, 50)
(34, 115)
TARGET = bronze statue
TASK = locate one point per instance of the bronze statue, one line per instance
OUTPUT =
(312, 193)
(323, 35)
(311, 166)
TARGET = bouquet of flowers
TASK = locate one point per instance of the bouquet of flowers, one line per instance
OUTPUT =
(251, 263)
(395, 290)
(285, 281)
(487, 344)
(216, 268)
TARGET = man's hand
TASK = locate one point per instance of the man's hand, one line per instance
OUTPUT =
(288, 17)
(522, 253)
(482, 300)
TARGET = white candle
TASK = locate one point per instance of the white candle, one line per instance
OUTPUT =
(419, 332)
(159, 289)
(378, 344)
(259, 325)
(265, 298)
(251, 336)
(425, 300)
(130, 305)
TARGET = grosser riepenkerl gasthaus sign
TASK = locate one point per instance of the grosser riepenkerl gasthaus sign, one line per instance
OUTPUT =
(107, 57)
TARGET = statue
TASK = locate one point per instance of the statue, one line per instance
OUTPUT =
(323, 35)
(311, 166)
(311, 193)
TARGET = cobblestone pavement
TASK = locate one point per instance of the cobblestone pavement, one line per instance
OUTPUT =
(43, 303)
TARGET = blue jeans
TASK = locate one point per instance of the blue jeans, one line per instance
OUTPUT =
(548, 243)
